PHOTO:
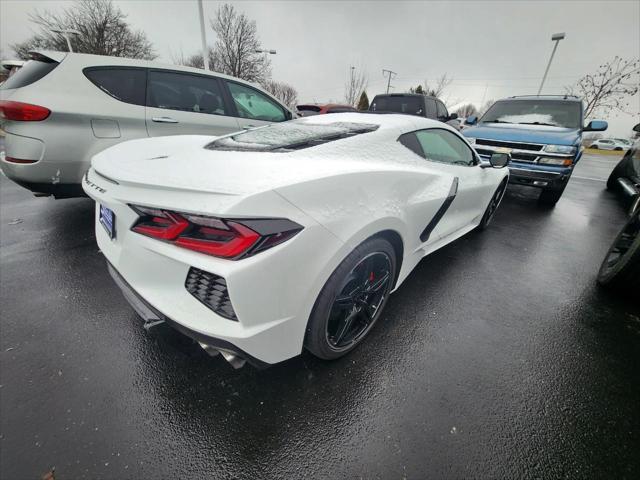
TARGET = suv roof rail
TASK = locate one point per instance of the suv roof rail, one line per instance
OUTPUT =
(565, 96)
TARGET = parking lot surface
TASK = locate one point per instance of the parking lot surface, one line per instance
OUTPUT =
(499, 357)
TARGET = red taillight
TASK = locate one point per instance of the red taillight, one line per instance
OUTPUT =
(214, 236)
(22, 112)
(163, 225)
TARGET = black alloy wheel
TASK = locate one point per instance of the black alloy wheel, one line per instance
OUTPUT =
(352, 299)
(357, 305)
(493, 205)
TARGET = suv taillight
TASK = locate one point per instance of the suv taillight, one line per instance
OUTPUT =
(225, 238)
(22, 112)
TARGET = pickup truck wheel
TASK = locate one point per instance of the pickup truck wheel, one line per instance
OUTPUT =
(549, 198)
(620, 269)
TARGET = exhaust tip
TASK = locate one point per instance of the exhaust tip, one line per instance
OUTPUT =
(234, 360)
(209, 349)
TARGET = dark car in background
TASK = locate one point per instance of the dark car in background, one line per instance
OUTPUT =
(620, 269)
(412, 104)
(309, 109)
(625, 177)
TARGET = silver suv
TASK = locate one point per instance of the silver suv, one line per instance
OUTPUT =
(61, 108)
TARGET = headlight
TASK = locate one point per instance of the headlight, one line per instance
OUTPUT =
(556, 161)
(564, 149)
(471, 140)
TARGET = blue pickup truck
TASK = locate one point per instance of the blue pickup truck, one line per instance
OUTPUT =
(543, 135)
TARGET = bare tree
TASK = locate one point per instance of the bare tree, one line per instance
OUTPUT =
(195, 60)
(437, 90)
(282, 91)
(103, 31)
(610, 88)
(237, 43)
(485, 106)
(467, 110)
(354, 87)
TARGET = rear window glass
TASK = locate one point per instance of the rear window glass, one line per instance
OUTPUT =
(341, 109)
(309, 108)
(400, 104)
(289, 136)
(31, 72)
(125, 84)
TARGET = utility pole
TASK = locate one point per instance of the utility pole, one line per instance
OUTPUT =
(203, 37)
(384, 71)
(556, 37)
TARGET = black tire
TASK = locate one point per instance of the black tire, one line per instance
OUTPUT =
(494, 203)
(595, 147)
(620, 269)
(549, 197)
(612, 181)
(618, 149)
(326, 322)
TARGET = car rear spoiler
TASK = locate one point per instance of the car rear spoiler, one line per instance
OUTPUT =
(47, 56)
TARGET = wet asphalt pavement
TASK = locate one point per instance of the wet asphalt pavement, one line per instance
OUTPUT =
(498, 358)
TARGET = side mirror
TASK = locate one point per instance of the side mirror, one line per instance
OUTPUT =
(471, 120)
(596, 126)
(453, 116)
(498, 160)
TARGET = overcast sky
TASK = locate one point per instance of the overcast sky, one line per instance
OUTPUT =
(490, 49)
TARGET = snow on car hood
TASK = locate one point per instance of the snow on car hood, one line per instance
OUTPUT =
(182, 163)
(524, 133)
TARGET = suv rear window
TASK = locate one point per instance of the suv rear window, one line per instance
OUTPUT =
(31, 72)
(341, 109)
(125, 84)
(399, 104)
(288, 136)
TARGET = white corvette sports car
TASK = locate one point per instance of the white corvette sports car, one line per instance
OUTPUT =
(293, 235)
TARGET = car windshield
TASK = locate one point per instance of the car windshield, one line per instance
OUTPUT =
(556, 113)
(400, 104)
(288, 136)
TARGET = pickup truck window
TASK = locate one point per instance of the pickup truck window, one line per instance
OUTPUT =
(431, 108)
(557, 113)
(443, 115)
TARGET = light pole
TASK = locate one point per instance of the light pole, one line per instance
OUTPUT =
(556, 37)
(203, 37)
(66, 34)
